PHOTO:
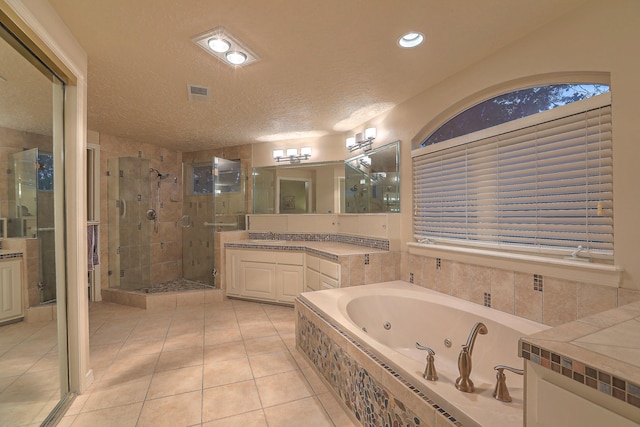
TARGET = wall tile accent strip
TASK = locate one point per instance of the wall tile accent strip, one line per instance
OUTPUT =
(584, 374)
(325, 237)
(11, 255)
(371, 403)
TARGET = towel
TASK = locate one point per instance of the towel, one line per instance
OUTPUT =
(93, 256)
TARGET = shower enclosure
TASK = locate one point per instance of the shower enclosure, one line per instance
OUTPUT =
(214, 201)
(31, 207)
(130, 199)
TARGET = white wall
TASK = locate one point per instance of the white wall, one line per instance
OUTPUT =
(598, 39)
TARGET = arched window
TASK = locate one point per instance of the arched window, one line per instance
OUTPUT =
(531, 170)
(511, 106)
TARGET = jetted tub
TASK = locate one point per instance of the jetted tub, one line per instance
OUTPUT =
(387, 319)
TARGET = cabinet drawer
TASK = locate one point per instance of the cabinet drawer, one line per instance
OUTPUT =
(330, 269)
(291, 258)
(257, 256)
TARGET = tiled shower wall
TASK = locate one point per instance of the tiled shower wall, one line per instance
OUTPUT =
(543, 299)
(201, 253)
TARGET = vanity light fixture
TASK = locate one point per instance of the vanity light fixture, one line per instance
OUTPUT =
(362, 140)
(224, 46)
(292, 155)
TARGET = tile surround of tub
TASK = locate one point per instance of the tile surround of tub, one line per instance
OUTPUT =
(365, 385)
(552, 301)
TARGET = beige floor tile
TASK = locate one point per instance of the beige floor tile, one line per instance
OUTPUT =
(226, 372)
(309, 409)
(168, 360)
(180, 342)
(272, 363)
(315, 381)
(335, 410)
(176, 381)
(104, 396)
(124, 369)
(141, 347)
(249, 419)
(226, 351)
(173, 411)
(220, 336)
(282, 388)
(265, 329)
(124, 416)
(264, 345)
(66, 421)
(229, 400)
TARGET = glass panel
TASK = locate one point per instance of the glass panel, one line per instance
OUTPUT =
(33, 355)
(132, 215)
(512, 106)
(372, 181)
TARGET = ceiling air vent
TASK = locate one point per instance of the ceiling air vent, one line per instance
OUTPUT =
(198, 93)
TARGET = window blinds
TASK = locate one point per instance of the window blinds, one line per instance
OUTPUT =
(546, 185)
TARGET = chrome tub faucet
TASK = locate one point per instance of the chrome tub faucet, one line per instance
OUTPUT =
(463, 382)
(430, 370)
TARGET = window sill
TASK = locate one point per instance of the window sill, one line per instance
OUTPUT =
(579, 271)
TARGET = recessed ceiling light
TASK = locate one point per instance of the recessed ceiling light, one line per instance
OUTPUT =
(223, 45)
(411, 40)
(219, 45)
(236, 58)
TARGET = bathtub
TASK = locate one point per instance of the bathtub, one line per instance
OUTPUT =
(382, 322)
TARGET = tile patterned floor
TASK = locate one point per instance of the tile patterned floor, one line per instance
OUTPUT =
(231, 363)
(29, 375)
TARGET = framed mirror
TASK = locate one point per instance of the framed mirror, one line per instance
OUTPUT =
(298, 188)
(372, 181)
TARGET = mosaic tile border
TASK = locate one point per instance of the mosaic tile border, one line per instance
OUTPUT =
(452, 421)
(382, 244)
(600, 380)
(12, 255)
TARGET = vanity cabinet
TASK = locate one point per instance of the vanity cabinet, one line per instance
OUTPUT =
(265, 275)
(10, 290)
(321, 274)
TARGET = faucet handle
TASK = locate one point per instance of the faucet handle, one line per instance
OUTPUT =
(427, 349)
(430, 373)
(501, 392)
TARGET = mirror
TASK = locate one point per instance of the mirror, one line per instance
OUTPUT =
(372, 181)
(298, 188)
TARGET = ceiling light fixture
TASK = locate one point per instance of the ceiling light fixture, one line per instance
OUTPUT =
(224, 46)
(219, 45)
(292, 155)
(236, 58)
(362, 140)
(410, 40)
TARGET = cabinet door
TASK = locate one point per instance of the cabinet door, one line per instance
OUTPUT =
(290, 279)
(232, 277)
(311, 280)
(257, 280)
(10, 290)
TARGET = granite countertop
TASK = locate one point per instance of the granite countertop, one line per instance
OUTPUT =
(601, 351)
(334, 249)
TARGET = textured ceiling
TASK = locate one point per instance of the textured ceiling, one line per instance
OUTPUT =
(326, 66)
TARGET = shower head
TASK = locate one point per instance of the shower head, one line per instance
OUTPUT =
(160, 176)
